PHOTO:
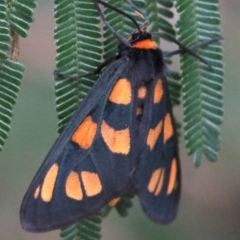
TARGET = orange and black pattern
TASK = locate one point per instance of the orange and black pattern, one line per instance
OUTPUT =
(122, 138)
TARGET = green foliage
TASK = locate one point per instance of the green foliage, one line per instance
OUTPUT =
(87, 229)
(174, 87)
(15, 17)
(5, 37)
(159, 12)
(11, 74)
(79, 51)
(201, 86)
(122, 206)
(21, 15)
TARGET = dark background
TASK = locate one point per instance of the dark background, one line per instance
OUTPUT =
(210, 203)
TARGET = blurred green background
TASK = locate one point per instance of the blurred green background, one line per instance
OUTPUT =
(210, 202)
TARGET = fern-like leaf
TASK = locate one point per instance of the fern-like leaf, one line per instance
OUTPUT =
(174, 87)
(11, 74)
(124, 204)
(159, 13)
(21, 15)
(88, 229)
(5, 37)
(201, 87)
(78, 51)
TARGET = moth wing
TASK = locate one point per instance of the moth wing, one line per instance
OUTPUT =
(157, 178)
(89, 164)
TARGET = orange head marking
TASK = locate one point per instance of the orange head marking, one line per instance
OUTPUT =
(145, 44)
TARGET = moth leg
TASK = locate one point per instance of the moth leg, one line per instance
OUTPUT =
(97, 71)
(195, 46)
(189, 50)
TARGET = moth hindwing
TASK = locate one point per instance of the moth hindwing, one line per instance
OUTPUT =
(121, 139)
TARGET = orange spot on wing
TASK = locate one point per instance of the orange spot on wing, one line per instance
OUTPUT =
(85, 133)
(139, 111)
(73, 187)
(113, 202)
(36, 193)
(145, 44)
(49, 183)
(142, 91)
(118, 141)
(91, 183)
(156, 181)
(173, 176)
(153, 135)
(160, 183)
(168, 127)
(158, 92)
(121, 92)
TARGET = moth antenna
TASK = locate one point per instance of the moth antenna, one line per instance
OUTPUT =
(120, 11)
(138, 12)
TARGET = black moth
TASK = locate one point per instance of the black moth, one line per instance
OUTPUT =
(121, 139)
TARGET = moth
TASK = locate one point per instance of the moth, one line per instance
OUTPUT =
(121, 138)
